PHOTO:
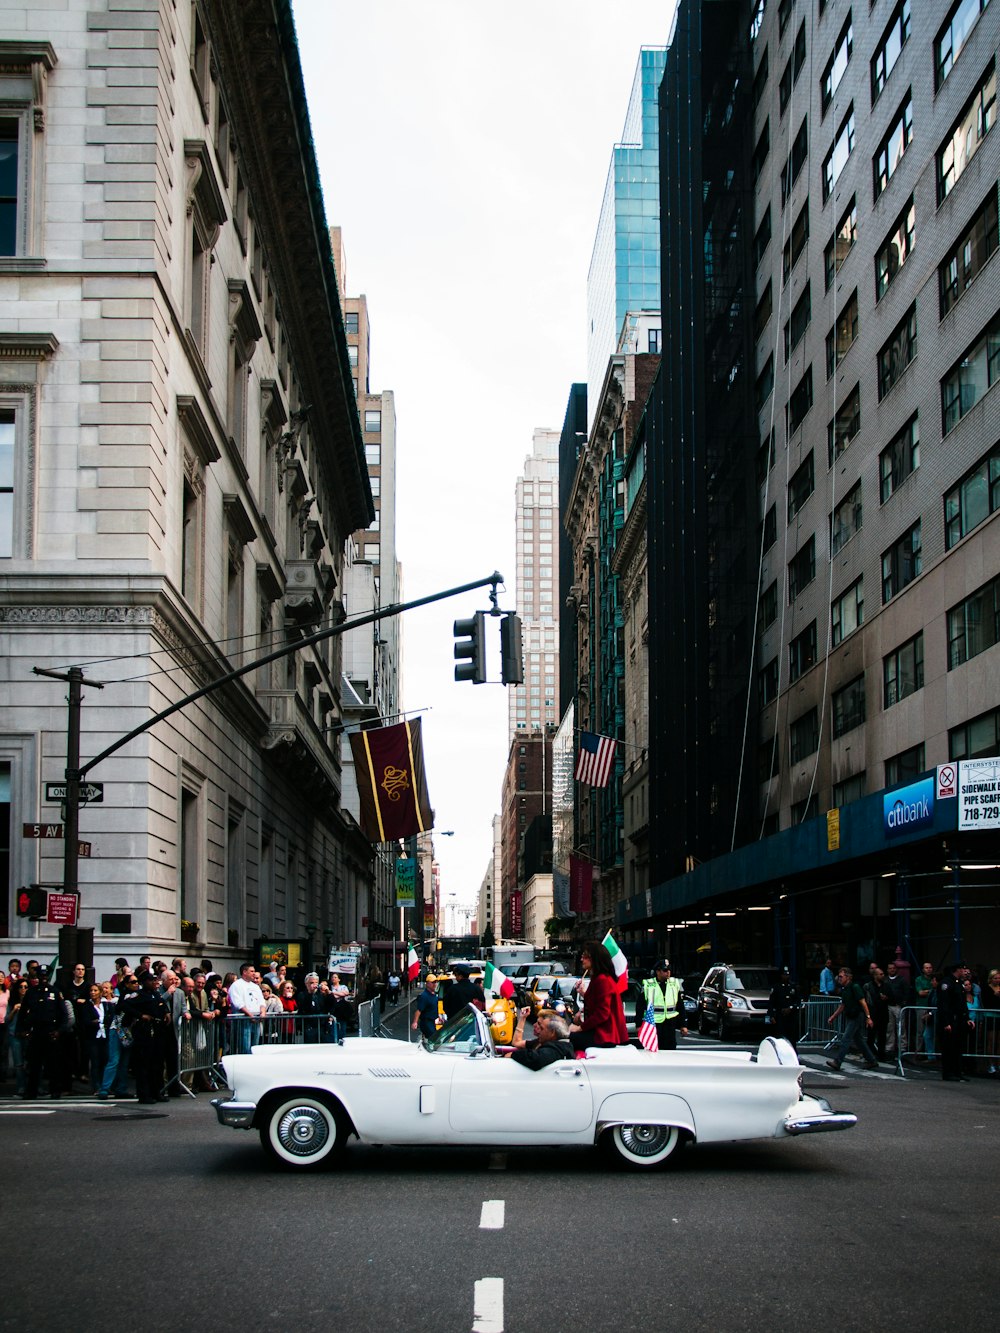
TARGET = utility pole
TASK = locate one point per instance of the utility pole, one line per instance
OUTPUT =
(75, 772)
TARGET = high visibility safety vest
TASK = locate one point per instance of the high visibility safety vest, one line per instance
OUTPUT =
(664, 1006)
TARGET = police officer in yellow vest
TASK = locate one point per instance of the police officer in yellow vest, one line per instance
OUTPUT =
(665, 994)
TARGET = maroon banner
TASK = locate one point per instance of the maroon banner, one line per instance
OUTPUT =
(516, 913)
(581, 884)
(392, 786)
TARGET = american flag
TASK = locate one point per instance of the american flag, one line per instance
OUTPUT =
(647, 1031)
(595, 759)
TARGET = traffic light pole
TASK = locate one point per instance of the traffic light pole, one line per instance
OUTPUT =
(75, 771)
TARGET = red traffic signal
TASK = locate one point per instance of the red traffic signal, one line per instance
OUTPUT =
(32, 902)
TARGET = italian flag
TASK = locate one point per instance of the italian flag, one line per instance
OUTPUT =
(497, 982)
(412, 964)
(618, 960)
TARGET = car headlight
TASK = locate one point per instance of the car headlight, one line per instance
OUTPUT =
(737, 1002)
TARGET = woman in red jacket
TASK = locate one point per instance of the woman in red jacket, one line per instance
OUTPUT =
(603, 1021)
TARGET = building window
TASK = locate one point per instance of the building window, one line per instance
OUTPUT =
(766, 455)
(844, 426)
(762, 237)
(893, 146)
(17, 464)
(653, 342)
(846, 519)
(972, 501)
(899, 458)
(769, 605)
(785, 8)
(847, 613)
(191, 534)
(793, 68)
(802, 652)
(244, 334)
(977, 739)
(971, 378)
(952, 38)
(761, 151)
(799, 322)
(206, 212)
(903, 671)
(8, 435)
(25, 66)
(807, 808)
(968, 133)
(976, 245)
(803, 735)
(848, 707)
(802, 569)
(796, 160)
(851, 789)
(974, 625)
(769, 531)
(898, 352)
(840, 151)
(796, 243)
(841, 337)
(905, 766)
(764, 384)
(351, 322)
(799, 403)
(889, 48)
(769, 682)
(836, 66)
(759, 80)
(762, 313)
(841, 242)
(352, 354)
(373, 421)
(901, 563)
(896, 249)
(801, 485)
(373, 455)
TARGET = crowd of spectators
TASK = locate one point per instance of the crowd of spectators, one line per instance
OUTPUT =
(144, 1033)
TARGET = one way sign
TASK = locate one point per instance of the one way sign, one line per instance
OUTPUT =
(89, 792)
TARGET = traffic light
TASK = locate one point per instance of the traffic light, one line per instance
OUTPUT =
(33, 902)
(511, 656)
(470, 648)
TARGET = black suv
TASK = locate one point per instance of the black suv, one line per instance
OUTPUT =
(733, 997)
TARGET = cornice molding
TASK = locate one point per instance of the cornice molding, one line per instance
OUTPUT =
(27, 346)
(195, 425)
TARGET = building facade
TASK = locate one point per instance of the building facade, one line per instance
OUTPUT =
(534, 704)
(524, 799)
(186, 465)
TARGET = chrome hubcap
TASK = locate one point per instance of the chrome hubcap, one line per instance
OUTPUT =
(645, 1140)
(303, 1131)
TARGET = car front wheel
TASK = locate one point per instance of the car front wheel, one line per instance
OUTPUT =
(302, 1132)
(643, 1147)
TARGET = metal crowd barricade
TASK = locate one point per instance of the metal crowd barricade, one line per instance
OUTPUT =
(917, 1036)
(235, 1034)
(815, 1028)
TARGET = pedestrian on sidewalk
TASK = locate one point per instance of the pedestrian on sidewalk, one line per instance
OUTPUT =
(858, 1021)
(426, 1010)
(953, 1023)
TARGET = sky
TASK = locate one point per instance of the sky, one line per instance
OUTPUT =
(463, 148)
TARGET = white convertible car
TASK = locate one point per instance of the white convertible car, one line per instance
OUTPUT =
(307, 1101)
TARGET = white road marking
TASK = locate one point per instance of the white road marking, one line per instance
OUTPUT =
(491, 1218)
(6, 1112)
(487, 1314)
(498, 1161)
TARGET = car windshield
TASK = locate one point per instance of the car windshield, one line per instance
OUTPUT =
(750, 978)
(564, 987)
(461, 1034)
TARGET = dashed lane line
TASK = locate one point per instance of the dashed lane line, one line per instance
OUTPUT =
(488, 1306)
(491, 1217)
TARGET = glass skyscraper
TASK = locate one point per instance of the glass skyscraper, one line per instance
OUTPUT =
(625, 265)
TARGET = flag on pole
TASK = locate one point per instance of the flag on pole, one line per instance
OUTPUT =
(618, 960)
(595, 759)
(647, 1031)
(392, 785)
(412, 964)
(498, 982)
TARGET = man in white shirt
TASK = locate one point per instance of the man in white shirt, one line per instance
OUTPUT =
(246, 1003)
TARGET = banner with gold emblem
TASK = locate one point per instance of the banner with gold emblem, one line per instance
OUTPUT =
(392, 785)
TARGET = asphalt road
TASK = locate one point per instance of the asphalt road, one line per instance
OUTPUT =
(126, 1213)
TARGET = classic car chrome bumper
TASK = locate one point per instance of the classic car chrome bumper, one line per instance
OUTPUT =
(819, 1124)
(237, 1115)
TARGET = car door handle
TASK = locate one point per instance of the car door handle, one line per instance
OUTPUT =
(568, 1071)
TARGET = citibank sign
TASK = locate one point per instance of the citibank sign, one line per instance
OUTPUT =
(908, 808)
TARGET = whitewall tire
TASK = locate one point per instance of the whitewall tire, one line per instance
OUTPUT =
(644, 1147)
(302, 1132)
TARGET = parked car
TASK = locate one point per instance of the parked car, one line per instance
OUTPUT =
(733, 998)
(454, 1089)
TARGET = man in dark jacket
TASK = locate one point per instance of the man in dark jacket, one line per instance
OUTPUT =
(953, 1023)
(551, 1041)
(462, 991)
(149, 1016)
(783, 1007)
(315, 1008)
(46, 1020)
(877, 995)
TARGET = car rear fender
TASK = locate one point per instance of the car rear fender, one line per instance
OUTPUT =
(645, 1108)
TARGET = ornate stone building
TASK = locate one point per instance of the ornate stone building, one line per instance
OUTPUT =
(186, 462)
